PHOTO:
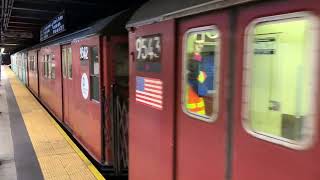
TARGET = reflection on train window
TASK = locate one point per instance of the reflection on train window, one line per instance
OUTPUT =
(64, 62)
(279, 80)
(94, 73)
(200, 96)
(69, 62)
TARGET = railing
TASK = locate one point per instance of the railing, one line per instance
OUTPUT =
(119, 131)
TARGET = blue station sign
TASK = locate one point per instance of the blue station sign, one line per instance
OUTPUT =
(55, 26)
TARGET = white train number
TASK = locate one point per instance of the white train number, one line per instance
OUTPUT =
(84, 51)
(148, 48)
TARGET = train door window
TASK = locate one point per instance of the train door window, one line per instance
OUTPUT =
(52, 67)
(280, 84)
(34, 63)
(64, 62)
(201, 73)
(31, 63)
(94, 73)
(45, 66)
(49, 64)
(69, 62)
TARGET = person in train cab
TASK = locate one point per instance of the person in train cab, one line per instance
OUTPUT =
(197, 76)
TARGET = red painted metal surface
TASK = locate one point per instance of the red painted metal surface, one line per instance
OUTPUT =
(50, 89)
(151, 130)
(33, 75)
(254, 158)
(201, 145)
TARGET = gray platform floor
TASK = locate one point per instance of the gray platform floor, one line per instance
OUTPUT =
(8, 166)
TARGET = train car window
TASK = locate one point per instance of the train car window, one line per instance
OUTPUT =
(201, 73)
(34, 63)
(49, 64)
(69, 62)
(52, 67)
(31, 63)
(94, 73)
(45, 66)
(279, 85)
(64, 62)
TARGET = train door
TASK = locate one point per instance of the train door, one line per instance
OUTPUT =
(66, 81)
(276, 92)
(201, 121)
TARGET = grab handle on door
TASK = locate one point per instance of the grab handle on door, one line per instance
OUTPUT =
(274, 105)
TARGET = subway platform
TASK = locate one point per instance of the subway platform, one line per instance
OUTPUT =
(32, 145)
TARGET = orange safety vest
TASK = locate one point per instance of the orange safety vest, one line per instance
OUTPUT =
(195, 103)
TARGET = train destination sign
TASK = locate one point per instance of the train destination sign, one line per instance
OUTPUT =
(148, 53)
(55, 26)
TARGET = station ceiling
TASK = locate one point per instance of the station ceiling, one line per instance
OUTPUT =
(21, 20)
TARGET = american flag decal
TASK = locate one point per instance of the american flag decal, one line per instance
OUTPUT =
(149, 92)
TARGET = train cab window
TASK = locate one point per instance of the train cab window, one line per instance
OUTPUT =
(201, 71)
(279, 85)
(69, 62)
(94, 73)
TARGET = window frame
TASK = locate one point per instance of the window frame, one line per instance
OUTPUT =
(309, 126)
(215, 115)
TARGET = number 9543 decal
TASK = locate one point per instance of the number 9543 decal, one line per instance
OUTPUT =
(148, 48)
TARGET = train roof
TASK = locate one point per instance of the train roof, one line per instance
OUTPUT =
(160, 10)
(110, 25)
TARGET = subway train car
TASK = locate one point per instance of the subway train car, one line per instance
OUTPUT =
(73, 75)
(224, 89)
(19, 65)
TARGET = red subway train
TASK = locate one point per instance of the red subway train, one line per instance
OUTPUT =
(193, 89)
(76, 76)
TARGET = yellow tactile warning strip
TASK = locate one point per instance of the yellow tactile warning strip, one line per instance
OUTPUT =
(58, 156)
